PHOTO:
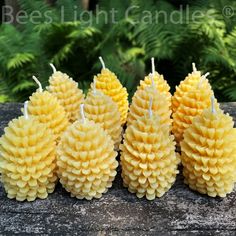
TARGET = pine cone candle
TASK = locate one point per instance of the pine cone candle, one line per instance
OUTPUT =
(46, 108)
(66, 90)
(209, 154)
(102, 110)
(190, 82)
(192, 104)
(159, 81)
(86, 160)
(140, 106)
(148, 159)
(27, 159)
(108, 83)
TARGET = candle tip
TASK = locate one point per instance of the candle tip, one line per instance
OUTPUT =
(203, 77)
(26, 115)
(153, 65)
(53, 68)
(194, 67)
(82, 112)
(102, 62)
(38, 83)
(206, 75)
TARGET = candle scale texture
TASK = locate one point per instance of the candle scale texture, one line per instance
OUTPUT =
(46, 108)
(108, 83)
(190, 82)
(86, 160)
(27, 160)
(140, 105)
(192, 104)
(209, 154)
(67, 92)
(160, 83)
(102, 110)
(148, 159)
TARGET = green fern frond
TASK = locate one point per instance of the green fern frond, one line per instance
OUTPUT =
(63, 53)
(126, 44)
(19, 59)
(3, 98)
(160, 36)
(230, 41)
(83, 33)
(67, 10)
(23, 85)
(231, 92)
(37, 10)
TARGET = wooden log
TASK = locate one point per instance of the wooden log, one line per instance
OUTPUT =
(179, 212)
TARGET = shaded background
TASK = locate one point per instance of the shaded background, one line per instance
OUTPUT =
(74, 45)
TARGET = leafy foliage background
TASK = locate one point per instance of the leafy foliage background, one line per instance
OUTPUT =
(74, 45)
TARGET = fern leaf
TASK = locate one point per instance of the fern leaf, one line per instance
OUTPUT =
(23, 85)
(19, 59)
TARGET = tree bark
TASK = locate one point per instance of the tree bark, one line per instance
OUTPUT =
(1, 15)
(51, 2)
(85, 4)
(15, 8)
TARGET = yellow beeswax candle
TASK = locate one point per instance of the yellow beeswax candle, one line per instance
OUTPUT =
(27, 159)
(192, 104)
(66, 90)
(104, 111)
(86, 159)
(140, 105)
(160, 83)
(47, 109)
(108, 83)
(187, 85)
(148, 159)
(209, 153)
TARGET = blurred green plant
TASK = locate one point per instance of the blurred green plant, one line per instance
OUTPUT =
(74, 46)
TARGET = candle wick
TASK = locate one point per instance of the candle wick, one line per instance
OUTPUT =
(38, 83)
(153, 65)
(213, 110)
(203, 77)
(53, 68)
(82, 113)
(153, 71)
(94, 86)
(194, 67)
(102, 62)
(26, 115)
(150, 108)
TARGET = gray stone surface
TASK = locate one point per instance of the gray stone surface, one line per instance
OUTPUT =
(179, 212)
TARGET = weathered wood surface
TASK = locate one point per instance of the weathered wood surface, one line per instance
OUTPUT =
(179, 212)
